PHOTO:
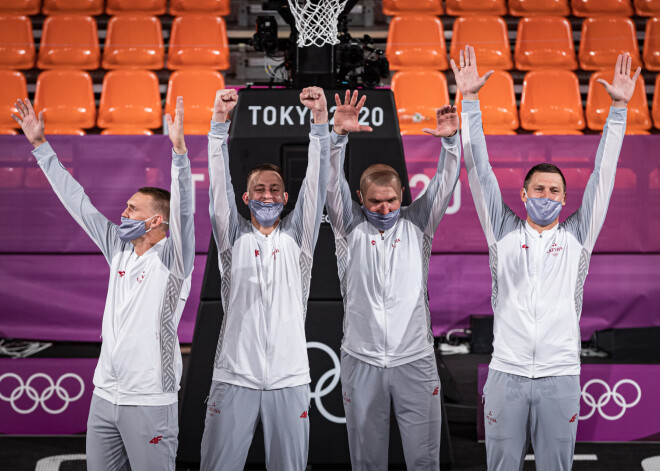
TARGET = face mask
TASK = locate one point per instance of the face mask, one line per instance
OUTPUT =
(131, 229)
(265, 213)
(382, 222)
(542, 210)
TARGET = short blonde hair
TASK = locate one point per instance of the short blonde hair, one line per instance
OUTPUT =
(380, 174)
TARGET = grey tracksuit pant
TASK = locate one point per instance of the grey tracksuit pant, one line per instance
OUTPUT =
(518, 409)
(414, 391)
(131, 437)
(232, 415)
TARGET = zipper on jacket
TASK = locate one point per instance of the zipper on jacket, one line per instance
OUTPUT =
(537, 273)
(382, 295)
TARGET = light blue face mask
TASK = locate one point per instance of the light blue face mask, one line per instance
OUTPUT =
(265, 213)
(542, 210)
(382, 222)
(131, 229)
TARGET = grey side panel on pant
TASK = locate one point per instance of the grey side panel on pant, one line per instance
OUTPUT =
(145, 436)
(414, 390)
(518, 410)
(232, 415)
(285, 421)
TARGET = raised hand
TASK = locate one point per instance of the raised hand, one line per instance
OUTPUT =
(33, 127)
(225, 100)
(314, 99)
(447, 122)
(175, 128)
(347, 115)
(467, 78)
(623, 86)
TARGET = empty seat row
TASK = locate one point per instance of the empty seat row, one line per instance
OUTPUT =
(134, 41)
(582, 8)
(115, 7)
(130, 100)
(550, 102)
(418, 41)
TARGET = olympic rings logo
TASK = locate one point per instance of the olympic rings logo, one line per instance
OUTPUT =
(320, 389)
(40, 399)
(604, 399)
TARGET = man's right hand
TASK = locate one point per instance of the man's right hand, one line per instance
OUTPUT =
(225, 100)
(467, 78)
(33, 127)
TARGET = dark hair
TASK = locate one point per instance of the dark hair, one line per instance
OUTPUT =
(161, 200)
(544, 168)
(264, 168)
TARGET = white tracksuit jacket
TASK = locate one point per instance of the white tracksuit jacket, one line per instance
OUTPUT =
(383, 277)
(265, 279)
(140, 362)
(538, 278)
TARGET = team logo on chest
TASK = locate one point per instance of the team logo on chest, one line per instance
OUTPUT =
(397, 241)
(555, 249)
(140, 278)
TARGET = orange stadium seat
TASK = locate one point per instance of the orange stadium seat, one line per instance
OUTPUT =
(551, 100)
(211, 7)
(16, 42)
(603, 39)
(198, 41)
(545, 42)
(656, 103)
(197, 87)
(647, 7)
(75, 7)
(416, 41)
(599, 102)
(69, 41)
(539, 7)
(489, 37)
(417, 94)
(475, 7)
(134, 42)
(132, 7)
(67, 100)
(20, 7)
(12, 87)
(652, 44)
(591, 8)
(498, 104)
(130, 99)
(405, 7)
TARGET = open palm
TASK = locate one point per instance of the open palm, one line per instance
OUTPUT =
(467, 77)
(447, 122)
(32, 126)
(347, 115)
(623, 86)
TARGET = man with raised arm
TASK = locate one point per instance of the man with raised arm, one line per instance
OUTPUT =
(383, 253)
(133, 418)
(538, 267)
(261, 370)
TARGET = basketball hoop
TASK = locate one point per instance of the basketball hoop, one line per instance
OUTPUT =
(316, 22)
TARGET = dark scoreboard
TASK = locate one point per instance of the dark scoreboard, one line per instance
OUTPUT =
(272, 126)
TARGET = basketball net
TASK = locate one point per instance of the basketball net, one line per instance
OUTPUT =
(316, 22)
